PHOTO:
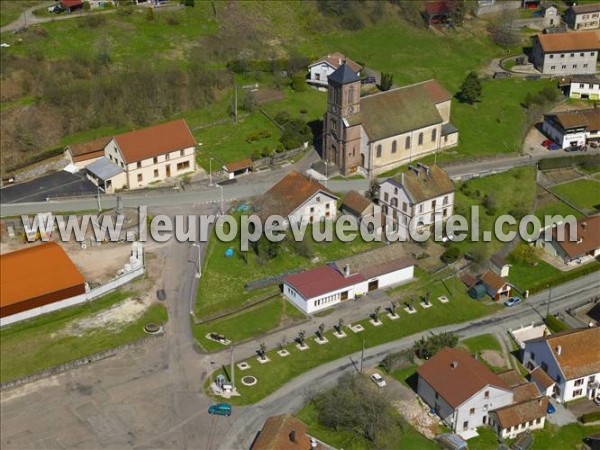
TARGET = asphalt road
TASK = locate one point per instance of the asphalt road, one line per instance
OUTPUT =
(152, 397)
(246, 187)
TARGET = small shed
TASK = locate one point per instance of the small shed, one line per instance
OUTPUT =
(477, 292)
(237, 168)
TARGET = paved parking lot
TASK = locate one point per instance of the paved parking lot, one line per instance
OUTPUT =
(58, 184)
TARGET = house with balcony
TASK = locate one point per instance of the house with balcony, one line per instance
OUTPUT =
(572, 128)
(583, 17)
(565, 53)
(571, 359)
(416, 198)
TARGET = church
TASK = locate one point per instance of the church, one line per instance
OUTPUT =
(382, 131)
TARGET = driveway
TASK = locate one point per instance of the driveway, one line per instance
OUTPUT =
(58, 184)
(562, 416)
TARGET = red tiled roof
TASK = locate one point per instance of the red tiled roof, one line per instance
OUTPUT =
(154, 141)
(493, 280)
(288, 194)
(468, 279)
(85, 148)
(512, 377)
(525, 391)
(523, 412)
(35, 271)
(336, 59)
(239, 165)
(316, 282)
(538, 374)
(564, 42)
(356, 202)
(588, 237)
(579, 356)
(71, 3)
(275, 434)
(457, 376)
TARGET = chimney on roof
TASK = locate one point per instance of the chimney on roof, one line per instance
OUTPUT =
(293, 435)
(454, 364)
(346, 270)
(558, 349)
(424, 167)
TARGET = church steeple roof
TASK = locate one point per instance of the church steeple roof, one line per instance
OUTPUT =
(344, 75)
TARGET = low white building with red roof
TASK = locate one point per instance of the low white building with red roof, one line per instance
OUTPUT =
(316, 289)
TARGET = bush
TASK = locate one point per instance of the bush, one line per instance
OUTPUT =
(569, 161)
(282, 117)
(256, 154)
(258, 135)
(171, 19)
(524, 254)
(398, 360)
(299, 82)
(451, 254)
(295, 133)
(556, 325)
(591, 417)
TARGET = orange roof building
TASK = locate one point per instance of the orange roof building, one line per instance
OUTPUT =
(284, 432)
(36, 276)
(566, 53)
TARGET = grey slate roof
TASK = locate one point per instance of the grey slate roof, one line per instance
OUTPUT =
(343, 75)
(104, 169)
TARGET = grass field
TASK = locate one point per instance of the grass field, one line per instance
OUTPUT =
(483, 342)
(253, 321)
(406, 438)
(536, 278)
(10, 10)
(223, 278)
(279, 371)
(43, 342)
(507, 197)
(584, 194)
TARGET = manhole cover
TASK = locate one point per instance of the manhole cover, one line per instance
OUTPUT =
(249, 380)
(151, 328)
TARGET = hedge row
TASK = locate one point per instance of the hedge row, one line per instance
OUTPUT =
(591, 417)
(566, 276)
(36, 158)
(556, 325)
(569, 161)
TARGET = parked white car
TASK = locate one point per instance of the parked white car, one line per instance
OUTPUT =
(378, 380)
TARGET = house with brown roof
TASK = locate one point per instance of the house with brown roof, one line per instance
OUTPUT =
(38, 277)
(585, 247)
(571, 359)
(319, 71)
(466, 394)
(583, 17)
(416, 198)
(495, 286)
(572, 128)
(566, 53)
(365, 212)
(86, 153)
(284, 432)
(298, 198)
(153, 154)
(320, 288)
(382, 131)
(461, 390)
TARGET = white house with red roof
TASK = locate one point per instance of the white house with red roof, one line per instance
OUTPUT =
(316, 289)
(571, 359)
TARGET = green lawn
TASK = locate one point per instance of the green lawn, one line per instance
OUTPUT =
(39, 343)
(503, 187)
(256, 320)
(584, 194)
(565, 438)
(483, 342)
(556, 208)
(223, 278)
(406, 438)
(406, 376)
(537, 278)
(10, 10)
(275, 374)
(487, 440)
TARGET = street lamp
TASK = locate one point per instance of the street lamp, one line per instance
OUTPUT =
(199, 272)
(98, 194)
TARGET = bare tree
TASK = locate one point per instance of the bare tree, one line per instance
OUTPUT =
(321, 331)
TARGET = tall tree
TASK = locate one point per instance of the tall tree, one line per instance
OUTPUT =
(470, 90)
(387, 81)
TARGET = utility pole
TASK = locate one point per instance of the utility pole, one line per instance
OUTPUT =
(362, 355)
(98, 195)
(235, 104)
(210, 183)
(232, 370)
(549, 298)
